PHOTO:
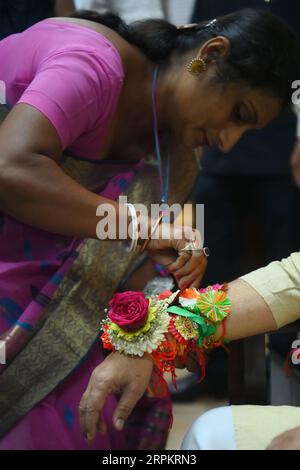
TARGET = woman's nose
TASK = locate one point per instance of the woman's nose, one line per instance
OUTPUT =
(229, 136)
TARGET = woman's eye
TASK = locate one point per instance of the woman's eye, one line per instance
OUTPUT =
(240, 115)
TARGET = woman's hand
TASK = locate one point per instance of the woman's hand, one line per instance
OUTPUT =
(118, 373)
(289, 440)
(164, 248)
(295, 162)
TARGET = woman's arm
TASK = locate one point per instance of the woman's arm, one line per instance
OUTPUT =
(35, 190)
(33, 187)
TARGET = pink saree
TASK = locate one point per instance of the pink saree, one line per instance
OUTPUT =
(53, 289)
(34, 264)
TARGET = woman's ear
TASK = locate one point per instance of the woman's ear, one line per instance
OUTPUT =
(215, 48)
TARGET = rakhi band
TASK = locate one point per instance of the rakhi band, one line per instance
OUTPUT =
(168, 327)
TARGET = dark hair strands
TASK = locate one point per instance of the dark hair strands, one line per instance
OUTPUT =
(264, 51)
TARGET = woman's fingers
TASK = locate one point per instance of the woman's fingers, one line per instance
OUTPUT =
(181, 261)
(191, 273)
(195, 261)
(192, 280)
(197, 282)
(165, 248)
(188, 262)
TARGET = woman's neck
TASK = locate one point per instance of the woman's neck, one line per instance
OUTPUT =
(132, 129)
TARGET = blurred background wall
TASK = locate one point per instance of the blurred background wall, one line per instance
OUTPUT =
(177, 11)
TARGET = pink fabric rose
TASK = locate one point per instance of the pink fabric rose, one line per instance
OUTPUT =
(129, 310)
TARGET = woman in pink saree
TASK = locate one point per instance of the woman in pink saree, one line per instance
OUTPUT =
(80, 96)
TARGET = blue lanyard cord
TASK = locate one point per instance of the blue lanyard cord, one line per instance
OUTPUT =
(164, 188)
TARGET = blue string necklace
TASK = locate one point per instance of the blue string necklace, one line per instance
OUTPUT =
(164, 185)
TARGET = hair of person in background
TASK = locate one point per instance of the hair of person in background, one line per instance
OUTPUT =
(259, 42)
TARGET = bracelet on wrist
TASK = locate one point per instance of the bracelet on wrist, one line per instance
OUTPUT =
(167, 327)
(134, 228)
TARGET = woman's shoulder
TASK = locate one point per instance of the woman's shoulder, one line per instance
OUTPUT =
(64, 35)
(105, 41)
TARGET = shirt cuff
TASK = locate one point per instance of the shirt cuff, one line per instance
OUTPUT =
(279, 285)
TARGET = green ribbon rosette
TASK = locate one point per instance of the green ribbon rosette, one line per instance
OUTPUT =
(205, 330)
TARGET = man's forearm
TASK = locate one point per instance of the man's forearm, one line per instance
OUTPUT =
(250, 314)
(265, 299)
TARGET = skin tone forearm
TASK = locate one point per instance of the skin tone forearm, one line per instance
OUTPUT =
(33, 187)
(37, 192)
(250, 314)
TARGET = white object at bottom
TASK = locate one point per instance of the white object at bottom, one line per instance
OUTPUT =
(213, 430)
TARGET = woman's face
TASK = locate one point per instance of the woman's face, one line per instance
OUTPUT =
(204, 112)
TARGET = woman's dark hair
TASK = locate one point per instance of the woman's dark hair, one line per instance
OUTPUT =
(264, 52)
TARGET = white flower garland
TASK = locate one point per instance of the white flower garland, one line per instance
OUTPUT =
(145, 342)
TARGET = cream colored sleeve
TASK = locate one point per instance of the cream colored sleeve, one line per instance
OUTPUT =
(279, 285)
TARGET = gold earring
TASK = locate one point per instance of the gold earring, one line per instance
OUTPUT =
(197, 66)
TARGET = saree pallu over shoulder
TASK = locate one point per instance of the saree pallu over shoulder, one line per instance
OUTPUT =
(67, 324)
